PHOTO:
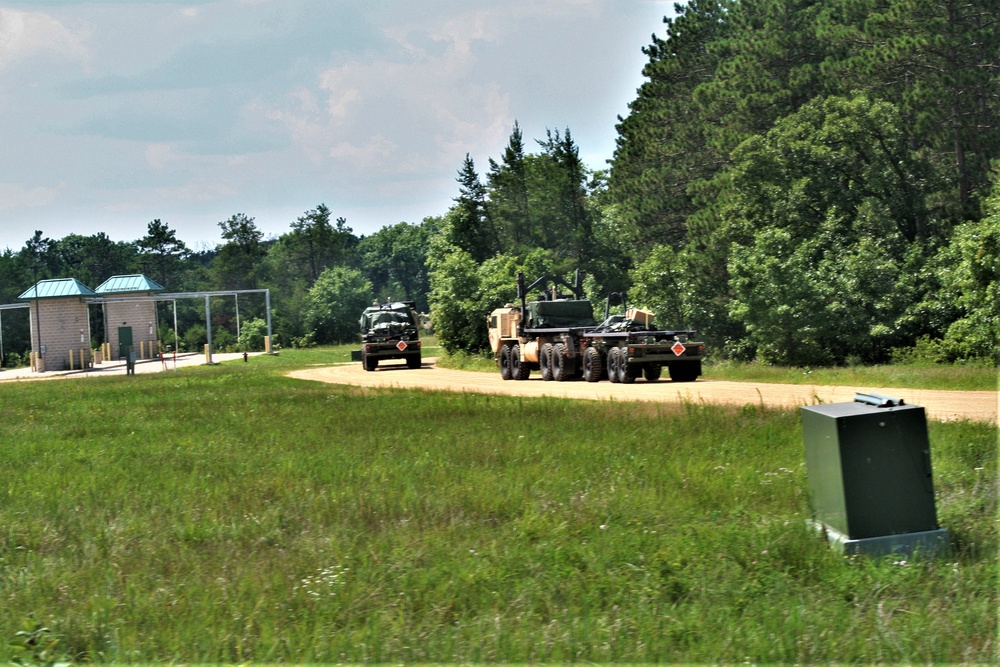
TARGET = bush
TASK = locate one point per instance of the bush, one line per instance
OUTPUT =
(252, 336)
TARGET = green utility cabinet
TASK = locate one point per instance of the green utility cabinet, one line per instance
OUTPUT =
(869, 475)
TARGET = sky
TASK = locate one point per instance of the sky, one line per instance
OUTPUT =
(116, 113)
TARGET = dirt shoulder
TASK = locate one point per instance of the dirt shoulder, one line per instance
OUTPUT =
(940, 405)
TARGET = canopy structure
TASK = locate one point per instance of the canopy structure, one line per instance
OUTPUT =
(116, 295)
(175, 296)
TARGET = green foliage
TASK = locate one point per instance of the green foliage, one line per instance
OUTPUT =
(533, 201)
(194, 338)
(970, 282)
(824, 219)
(252, 335)
(35, 646)
(471, 227)
(237, 263)
(316, 245)
(453, 299)
(395, 261)
(883, 173)
(336, 301)
(162, 254)
(463, 293)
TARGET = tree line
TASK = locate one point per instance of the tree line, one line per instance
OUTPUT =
(803, 182)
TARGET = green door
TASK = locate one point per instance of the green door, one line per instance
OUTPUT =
(124, 341)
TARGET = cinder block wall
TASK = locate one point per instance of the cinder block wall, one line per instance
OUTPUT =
(136, 315)
(61, 322)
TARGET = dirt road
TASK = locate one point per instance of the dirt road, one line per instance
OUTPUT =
(940, 405)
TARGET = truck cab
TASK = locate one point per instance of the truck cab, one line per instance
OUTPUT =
(389, 331)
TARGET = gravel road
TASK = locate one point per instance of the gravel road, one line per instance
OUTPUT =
(940, 405)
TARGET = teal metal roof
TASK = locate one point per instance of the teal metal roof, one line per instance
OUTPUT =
(57, 288)
(128, 284)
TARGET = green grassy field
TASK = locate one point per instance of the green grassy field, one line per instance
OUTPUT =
(228, 514)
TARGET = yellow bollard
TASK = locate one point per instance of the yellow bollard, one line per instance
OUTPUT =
(208, 357)
(71, 359)
(267, 345)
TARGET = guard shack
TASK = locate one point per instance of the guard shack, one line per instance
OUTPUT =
(130, 324)
(60, 325)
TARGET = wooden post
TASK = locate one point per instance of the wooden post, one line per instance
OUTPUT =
(71, 355)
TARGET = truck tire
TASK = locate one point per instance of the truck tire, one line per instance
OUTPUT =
(518, 369)
(562, 365)
(592, 365)
(685, 372)
(545, 361)
(369, 363)
(652, 372)
(613, 364)
(413, 361)
(505, 363)
(626, 372)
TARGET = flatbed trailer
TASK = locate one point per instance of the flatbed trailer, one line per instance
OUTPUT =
(622, 348)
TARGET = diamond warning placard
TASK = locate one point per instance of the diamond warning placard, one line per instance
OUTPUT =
(401, 345)
(678, 348)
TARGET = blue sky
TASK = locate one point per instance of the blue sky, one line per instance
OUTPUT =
(117, 112)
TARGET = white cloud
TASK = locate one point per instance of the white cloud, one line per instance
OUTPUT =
(196, 192)
(14, 196)
(377, 150)
(26, 34)
(417, 106)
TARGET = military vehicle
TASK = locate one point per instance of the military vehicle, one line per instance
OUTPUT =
(389, 331)
(557, 335)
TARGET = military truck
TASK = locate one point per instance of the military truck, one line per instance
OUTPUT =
(557, 335)
(389, 331)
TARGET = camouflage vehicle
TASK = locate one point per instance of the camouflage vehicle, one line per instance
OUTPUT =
(389, 331)
(557, 335)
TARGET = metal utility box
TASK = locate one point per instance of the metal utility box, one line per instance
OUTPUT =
(869, 475)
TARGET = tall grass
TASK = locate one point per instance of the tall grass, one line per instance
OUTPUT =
(228, 514)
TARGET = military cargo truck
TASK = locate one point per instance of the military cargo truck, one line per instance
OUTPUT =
(557, 335)
(389, 331)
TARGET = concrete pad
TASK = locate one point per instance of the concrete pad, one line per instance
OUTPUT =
(169, 363)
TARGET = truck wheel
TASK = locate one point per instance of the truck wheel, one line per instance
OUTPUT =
(652, 372)
(518, 369)
(369, 363)
(613, 364)
(413, 361)
(545, 361)
(592, 365)
(685, 372)
(505, 363)
(562, 366)
(626, 371)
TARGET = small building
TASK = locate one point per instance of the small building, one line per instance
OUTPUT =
(130, 323)
(60, 323)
